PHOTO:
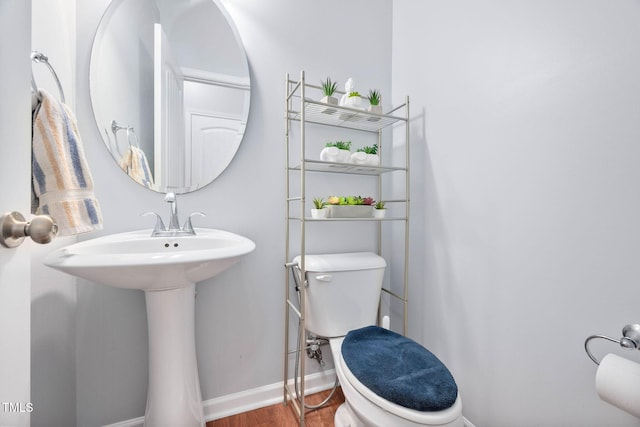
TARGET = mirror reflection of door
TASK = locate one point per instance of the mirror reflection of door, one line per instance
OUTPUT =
(211, 138)
(168, 117)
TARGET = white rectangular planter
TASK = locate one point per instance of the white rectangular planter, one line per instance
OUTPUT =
(350, 211)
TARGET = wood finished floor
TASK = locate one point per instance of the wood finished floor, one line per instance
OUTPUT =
(279, 415)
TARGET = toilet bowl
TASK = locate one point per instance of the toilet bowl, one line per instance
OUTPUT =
(342, 302)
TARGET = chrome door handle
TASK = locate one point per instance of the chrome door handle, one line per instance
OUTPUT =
(14, 228)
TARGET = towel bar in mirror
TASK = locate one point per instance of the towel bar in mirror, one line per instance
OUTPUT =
(14, 228)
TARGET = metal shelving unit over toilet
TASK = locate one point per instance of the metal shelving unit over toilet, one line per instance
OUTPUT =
(299, 107)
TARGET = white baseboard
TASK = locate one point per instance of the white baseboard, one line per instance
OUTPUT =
(136, 422)
(467, 423)
(259, 397)
(248, 400)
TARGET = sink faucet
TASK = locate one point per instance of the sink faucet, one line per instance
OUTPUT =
(174, 224)
(174, 228)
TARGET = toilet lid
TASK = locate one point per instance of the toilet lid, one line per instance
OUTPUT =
(399, 369)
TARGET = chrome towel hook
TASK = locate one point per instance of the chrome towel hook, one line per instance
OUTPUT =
(630, 340)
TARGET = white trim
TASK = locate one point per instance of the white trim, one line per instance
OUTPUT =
(467, 423)
(136, 422)
(217, 79)
(259, 397)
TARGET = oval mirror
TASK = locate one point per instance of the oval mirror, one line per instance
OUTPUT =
(170, 90)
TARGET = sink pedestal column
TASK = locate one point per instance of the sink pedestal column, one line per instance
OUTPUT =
(173, 397)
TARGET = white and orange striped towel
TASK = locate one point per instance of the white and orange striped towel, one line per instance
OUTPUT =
(62, 183)
(135, 164)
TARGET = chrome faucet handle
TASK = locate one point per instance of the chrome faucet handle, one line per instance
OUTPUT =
(188, 227)
(159, 227)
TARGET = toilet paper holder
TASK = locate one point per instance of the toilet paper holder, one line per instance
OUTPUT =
(630, 340)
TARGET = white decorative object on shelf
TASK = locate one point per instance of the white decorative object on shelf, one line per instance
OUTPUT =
(329, 100)
(319, 213)
(372, 160)
(351, 98)
(334, 154)
(379, 213)
(350, 211)
(359, 158)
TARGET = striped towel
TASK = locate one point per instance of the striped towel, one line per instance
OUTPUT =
(134, 163)
(62, 186)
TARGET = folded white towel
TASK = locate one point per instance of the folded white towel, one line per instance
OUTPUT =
(62, 184)
(135, 164)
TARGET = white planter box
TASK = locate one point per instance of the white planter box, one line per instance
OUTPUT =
(350, 211)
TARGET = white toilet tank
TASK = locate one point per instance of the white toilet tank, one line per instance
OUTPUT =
(343, 292)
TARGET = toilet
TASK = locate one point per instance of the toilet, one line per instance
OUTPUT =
(387, 379)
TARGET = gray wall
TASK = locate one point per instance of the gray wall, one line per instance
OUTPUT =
(525, 191)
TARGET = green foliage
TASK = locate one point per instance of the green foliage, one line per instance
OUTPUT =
(374, 97)
(342, 145)
(328, 86)
(371, 149)
(319, 203)
(350, 200)
(354, 93)
(379, 205)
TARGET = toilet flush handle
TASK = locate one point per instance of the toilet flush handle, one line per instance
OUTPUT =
(324, 278)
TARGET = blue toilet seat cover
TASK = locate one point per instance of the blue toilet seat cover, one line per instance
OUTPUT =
(398, 369)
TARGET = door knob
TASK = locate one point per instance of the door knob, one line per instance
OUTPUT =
(14, 228)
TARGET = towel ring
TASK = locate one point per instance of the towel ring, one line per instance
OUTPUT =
(630, 340)
(42, 58)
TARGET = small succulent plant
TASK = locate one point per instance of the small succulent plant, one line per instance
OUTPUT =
(354, 94)
(328, 87)
(379, 205)
(374, 97)
(319, 203)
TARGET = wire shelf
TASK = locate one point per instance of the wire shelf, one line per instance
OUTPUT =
(352, 118)
(349, 168)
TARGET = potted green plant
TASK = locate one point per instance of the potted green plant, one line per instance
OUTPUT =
(366, 156)
(359, 157)
(379, 211)
(374, 98)
(350, 207)
(373, 159)
(319, 210)
(338, 151)
(328, 89)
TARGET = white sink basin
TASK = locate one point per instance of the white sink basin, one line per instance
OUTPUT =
(167, 269)
(134, 260)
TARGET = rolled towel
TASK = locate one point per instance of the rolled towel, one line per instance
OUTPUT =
(62, 186)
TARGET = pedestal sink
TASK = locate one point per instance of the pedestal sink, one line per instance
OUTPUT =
(167, 269)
